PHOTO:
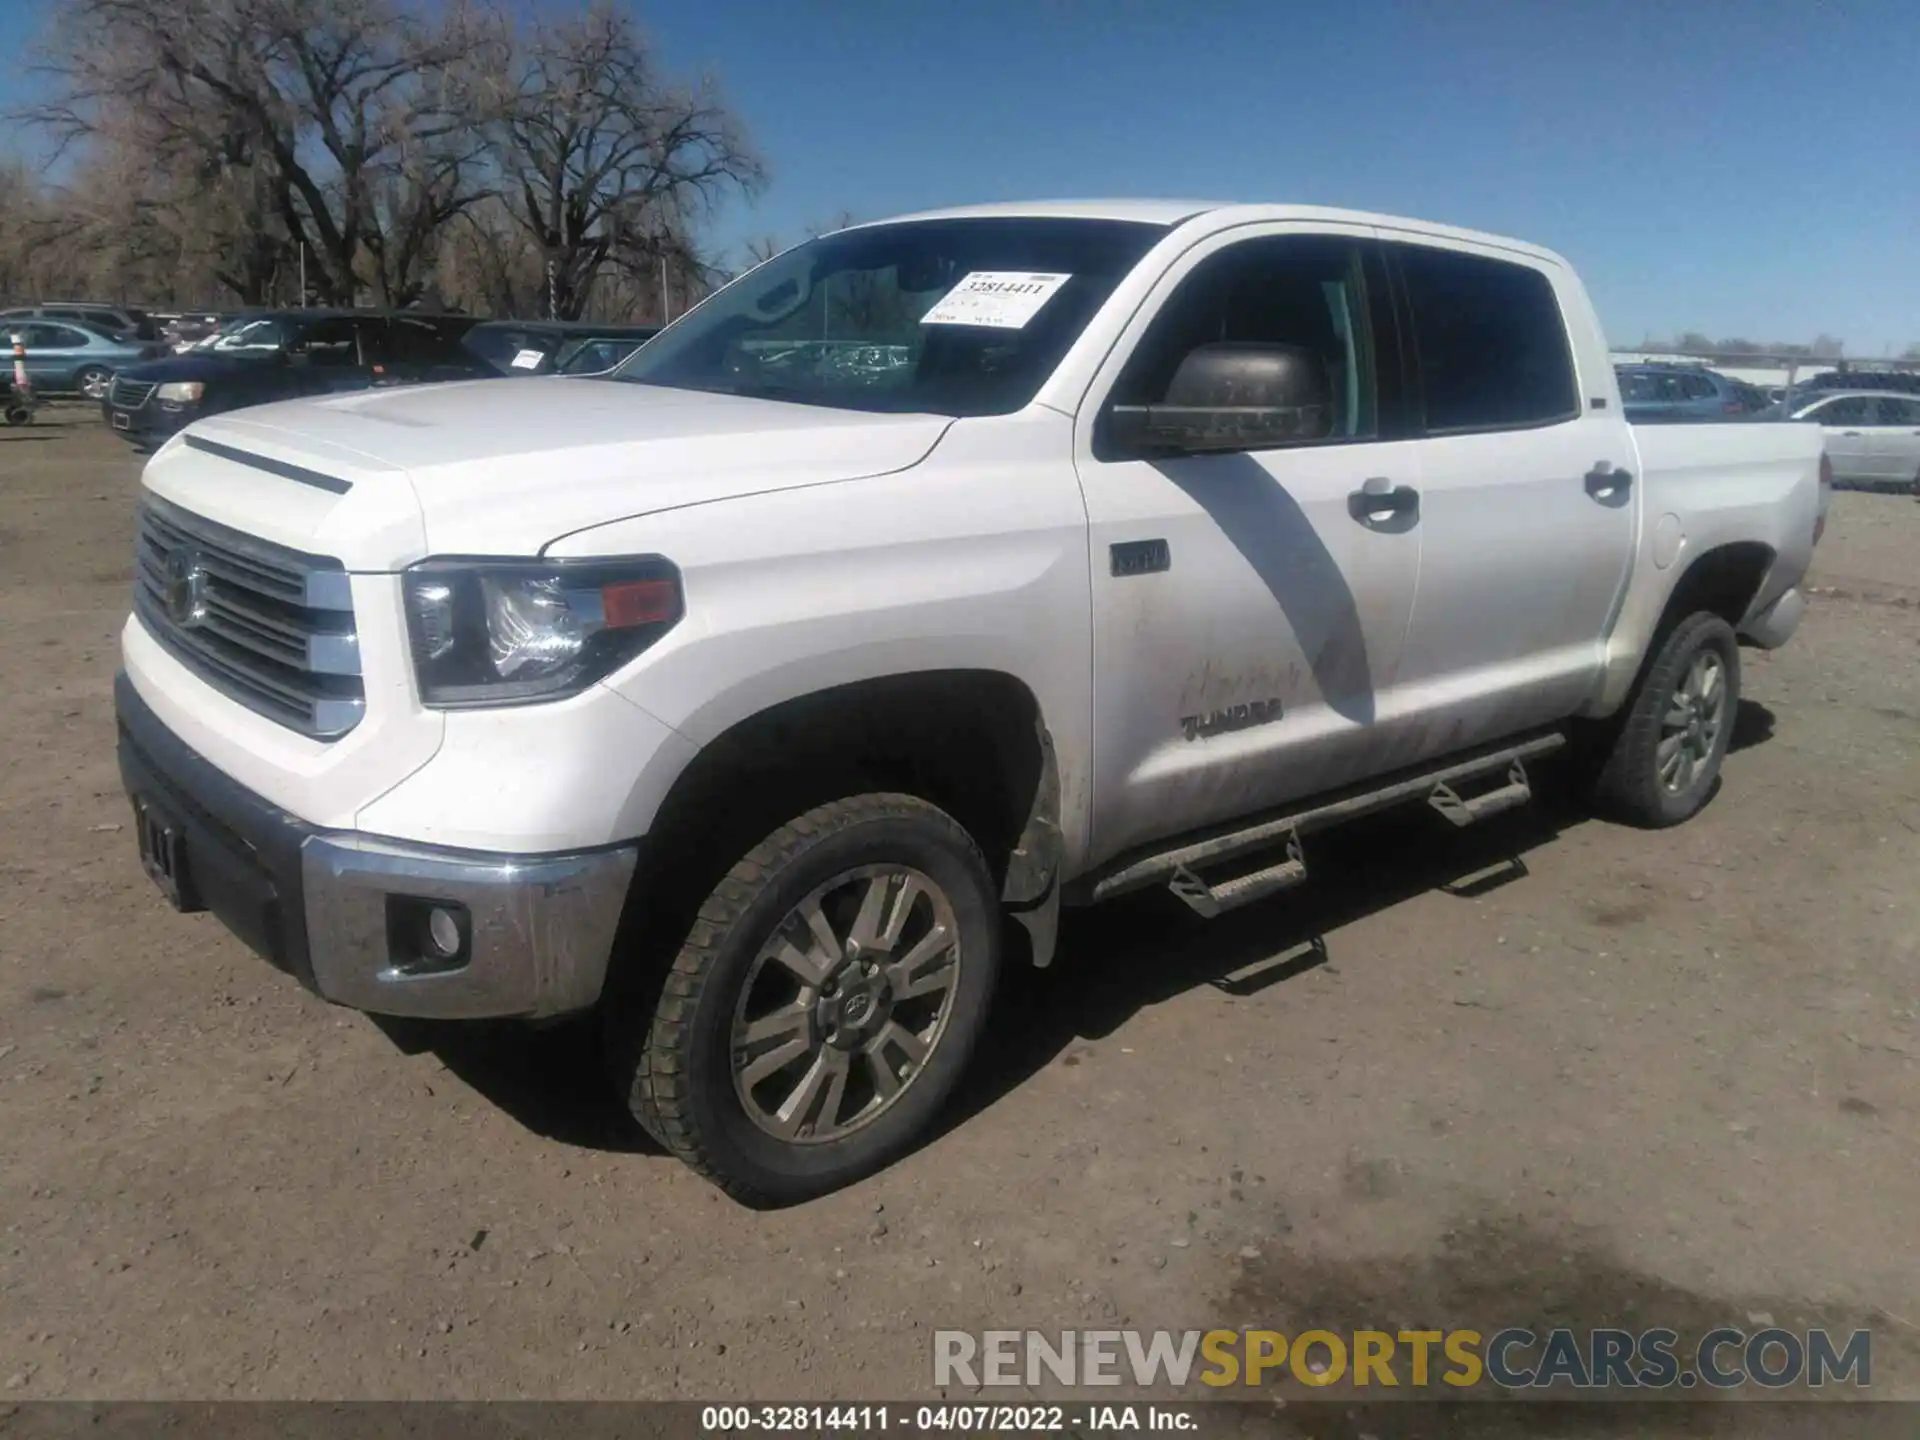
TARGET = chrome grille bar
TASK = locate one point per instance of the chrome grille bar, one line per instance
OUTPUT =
(267, 626)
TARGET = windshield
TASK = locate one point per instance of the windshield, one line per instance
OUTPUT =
(949, 317)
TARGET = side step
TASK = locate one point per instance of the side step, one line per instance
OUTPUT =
(1211, 900)
(1178, 866)
(1469, 812)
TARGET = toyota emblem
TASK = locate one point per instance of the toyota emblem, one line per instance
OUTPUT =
(186, 589)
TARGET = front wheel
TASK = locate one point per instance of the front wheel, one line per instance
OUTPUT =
(93, 382)
(824, 1004)
(1665, 756)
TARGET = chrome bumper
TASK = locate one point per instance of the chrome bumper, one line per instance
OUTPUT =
(1774, 626)
(538, 935)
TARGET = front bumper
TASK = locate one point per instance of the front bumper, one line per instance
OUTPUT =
(151, 425)
(340, 910)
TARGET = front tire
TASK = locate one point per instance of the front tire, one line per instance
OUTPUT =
(1665, 756)
(823, 1006)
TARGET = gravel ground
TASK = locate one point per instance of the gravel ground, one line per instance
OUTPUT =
(1546, 1071)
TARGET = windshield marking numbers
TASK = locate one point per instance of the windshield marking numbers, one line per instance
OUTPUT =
(1001, 299)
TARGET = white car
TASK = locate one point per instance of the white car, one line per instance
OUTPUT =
(766, 704)
(1872, 436)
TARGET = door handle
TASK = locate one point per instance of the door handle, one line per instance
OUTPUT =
(1606, 480)
(1849, 434)
(1380, 502)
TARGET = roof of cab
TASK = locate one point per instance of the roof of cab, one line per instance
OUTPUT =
(1174, 212)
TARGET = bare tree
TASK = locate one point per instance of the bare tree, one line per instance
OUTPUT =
(604, 161)
(355, 109)
(763, 248)
(231, 145)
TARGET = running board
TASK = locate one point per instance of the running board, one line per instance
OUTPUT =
(1470, 812)
(1166, 866)
(1210, 900)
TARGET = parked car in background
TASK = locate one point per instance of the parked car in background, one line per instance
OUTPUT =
(1899, 382)
(555, 347)
(1872, 436)
(118, 321)
(1654, 393)
(67, 357)
(284, 354)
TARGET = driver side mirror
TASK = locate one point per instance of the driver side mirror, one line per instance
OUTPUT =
(1230, 396)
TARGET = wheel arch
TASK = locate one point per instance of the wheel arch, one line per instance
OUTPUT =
(972, 741)
(1725, 581)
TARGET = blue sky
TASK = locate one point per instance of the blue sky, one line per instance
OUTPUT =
(1737, 167)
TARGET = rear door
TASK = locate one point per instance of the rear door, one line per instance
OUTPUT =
(1527, 500)
(1843, 424)
(1700, 397)
(1894, 440)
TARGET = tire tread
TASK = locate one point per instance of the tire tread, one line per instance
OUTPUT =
(1628, 782)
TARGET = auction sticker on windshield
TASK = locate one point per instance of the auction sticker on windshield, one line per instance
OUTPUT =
(529, 359)
(1003, 299)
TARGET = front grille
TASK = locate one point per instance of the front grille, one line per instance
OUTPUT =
(130, 394)
(267, 626)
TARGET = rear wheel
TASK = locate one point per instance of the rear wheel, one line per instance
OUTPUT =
(824, 1004)
(93, 382)
(1665, 756)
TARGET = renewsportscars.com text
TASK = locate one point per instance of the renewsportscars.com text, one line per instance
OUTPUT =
(1512, 1358)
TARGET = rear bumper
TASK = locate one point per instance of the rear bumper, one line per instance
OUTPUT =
(1774, 626)
(343, 912)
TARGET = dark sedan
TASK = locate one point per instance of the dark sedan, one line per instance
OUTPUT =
(281, 356)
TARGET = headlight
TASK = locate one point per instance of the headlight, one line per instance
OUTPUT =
(501, 632)
(179, 390)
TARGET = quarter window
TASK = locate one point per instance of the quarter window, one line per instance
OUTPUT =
(1490, 339)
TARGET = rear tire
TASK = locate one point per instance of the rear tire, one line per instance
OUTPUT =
(93, 382)
(1664, 758)
(823, 1006)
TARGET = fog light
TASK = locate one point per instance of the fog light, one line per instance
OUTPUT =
(427, 936)
(443, 933)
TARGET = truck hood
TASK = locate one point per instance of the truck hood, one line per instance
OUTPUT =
(382, 478)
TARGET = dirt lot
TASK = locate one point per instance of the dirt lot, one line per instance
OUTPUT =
(1666, 1078)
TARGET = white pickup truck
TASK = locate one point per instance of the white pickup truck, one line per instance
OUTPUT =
(933, 575)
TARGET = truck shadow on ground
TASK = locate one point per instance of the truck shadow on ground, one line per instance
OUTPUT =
(1113, 962)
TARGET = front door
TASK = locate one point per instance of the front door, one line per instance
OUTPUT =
(1249, 607)
(1528, 502)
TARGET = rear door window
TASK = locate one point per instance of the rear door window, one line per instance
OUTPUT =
(1848, 410)
(1490, 342)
